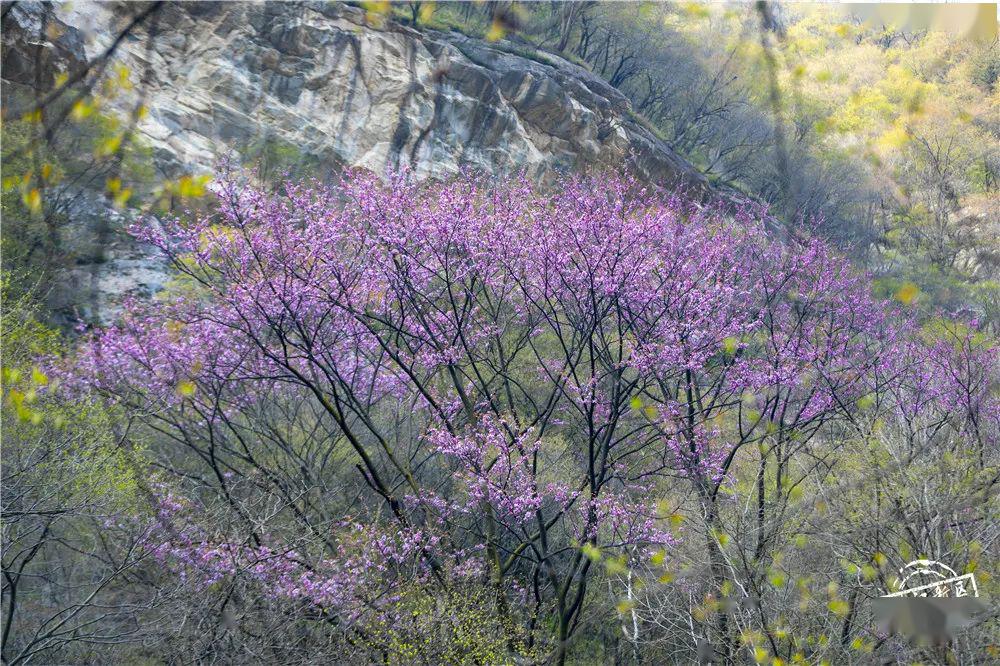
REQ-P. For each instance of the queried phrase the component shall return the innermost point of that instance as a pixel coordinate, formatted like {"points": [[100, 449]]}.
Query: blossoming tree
{"points": [[396, 392]]}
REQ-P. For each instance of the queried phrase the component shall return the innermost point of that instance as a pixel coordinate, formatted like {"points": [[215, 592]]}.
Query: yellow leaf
{"points": [[696, 10], [109, 146], [496, 31], [23, 413], [114, 185], [730, 344], [651, 412], [666, 577], [866, 401], [635, 403], [33, 200], [615, 565], [839, 607], [16, 397], [894, 138], [592, 552], [658, 558], [376, 10], [39, 377], [624, 606], [377, 6], [192, 186], [121, 199], [425, 12], [81, 110], [46, 171], [760, 655], [907, 293], [186, 388], [123, 77]]}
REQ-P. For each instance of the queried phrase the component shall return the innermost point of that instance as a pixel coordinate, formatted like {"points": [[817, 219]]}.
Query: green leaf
{"points": [[839, 607]]}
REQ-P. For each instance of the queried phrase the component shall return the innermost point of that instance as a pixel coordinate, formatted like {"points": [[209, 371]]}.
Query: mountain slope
{"points": [[221, 77], [317, 84]]}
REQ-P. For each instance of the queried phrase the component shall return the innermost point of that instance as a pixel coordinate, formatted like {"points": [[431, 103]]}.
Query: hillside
{"points": [[499, 333], [319, 87]]}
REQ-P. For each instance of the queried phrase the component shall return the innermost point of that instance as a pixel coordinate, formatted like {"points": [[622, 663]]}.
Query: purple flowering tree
{"points": [[394, 391]]}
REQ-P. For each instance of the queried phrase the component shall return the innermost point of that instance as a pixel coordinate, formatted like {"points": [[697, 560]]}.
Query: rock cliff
{"points": [[218, 78]]}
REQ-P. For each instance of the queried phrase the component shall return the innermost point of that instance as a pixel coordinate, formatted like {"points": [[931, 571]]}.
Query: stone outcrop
{"points": [[322, 78], [319, 79]]}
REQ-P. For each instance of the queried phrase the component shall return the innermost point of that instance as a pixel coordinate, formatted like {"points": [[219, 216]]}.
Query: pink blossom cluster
{"points": [[363, 575], [498, 470]]}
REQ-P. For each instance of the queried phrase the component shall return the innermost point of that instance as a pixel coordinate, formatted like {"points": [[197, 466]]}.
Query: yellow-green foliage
{"points": [[69, 447], [24, 237], [90, 146], [461, 626]]}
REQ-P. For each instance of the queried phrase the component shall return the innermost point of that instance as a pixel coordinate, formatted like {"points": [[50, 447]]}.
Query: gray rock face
{"points": [[112, 265], [315, 76]]}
